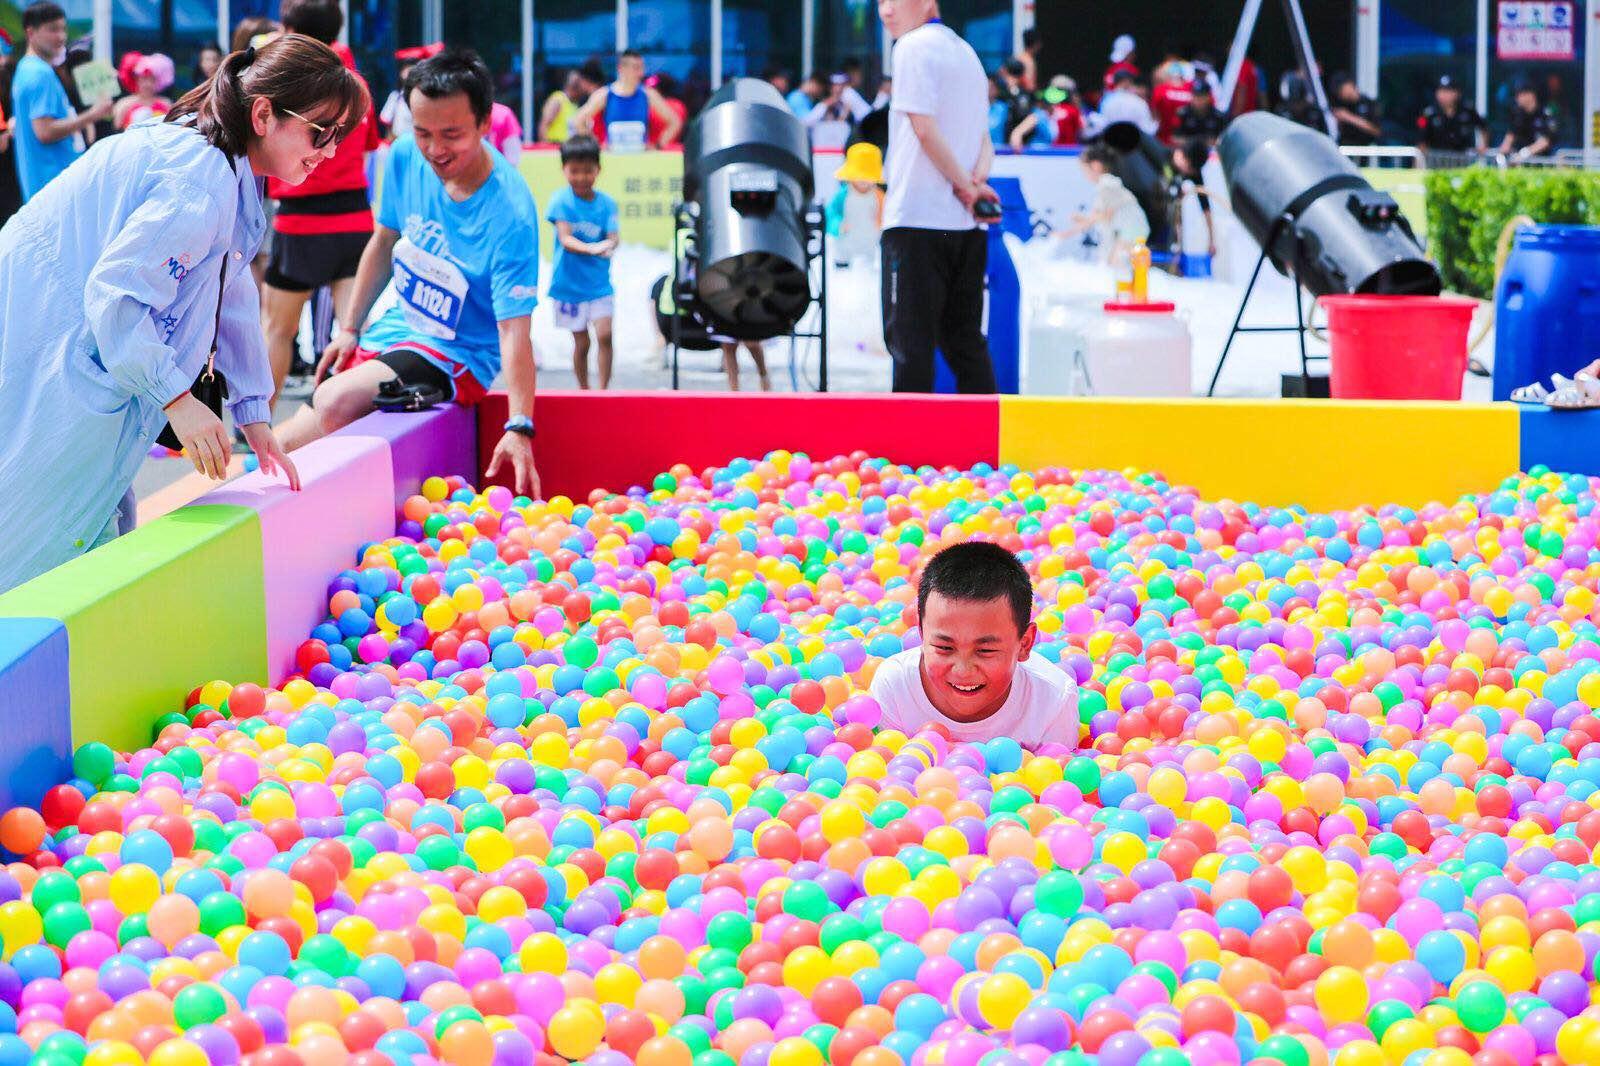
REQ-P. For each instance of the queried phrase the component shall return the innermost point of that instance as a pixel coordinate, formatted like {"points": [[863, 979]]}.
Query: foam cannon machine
{"points": [[1318, 221], [747, 231]]}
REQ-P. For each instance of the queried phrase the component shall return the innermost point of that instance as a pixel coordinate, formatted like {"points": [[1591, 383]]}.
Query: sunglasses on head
{"points": [[321, 136]]}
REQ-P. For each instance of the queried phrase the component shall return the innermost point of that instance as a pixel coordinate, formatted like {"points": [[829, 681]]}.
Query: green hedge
{"points": [[1468, 208]]}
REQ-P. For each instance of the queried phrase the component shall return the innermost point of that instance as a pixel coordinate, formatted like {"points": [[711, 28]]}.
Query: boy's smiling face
{"points": [[970, 650]]}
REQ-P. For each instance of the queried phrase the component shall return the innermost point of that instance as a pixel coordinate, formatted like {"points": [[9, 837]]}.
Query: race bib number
{"points": [[625, 136], [432, 290]]}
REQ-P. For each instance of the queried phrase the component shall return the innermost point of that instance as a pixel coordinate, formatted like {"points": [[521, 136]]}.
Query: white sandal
{"points": [[1535, 393], [1578, 394]]}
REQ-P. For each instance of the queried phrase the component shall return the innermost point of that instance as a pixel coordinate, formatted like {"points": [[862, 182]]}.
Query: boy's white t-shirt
{"points": [[1127, 217], [1042, 706]]}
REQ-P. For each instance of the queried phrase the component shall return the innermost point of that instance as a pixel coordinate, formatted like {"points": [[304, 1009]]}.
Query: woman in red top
{"points": [[323, 224]]}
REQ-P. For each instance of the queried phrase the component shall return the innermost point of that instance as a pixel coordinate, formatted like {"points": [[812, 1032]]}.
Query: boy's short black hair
{"points": [[455, 70], [41, 14], [630, 53], [1099, 153], [1030, 37], [318, 19], [580, 148], [977, 571]]}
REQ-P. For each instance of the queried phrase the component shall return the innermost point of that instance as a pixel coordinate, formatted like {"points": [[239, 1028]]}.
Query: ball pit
{"points": [[600, 782]]}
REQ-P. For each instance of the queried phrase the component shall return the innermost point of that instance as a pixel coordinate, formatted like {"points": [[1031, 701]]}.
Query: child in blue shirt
{"points": [[586, 236]]}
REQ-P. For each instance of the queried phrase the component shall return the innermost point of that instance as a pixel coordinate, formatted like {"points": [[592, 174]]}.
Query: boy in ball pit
{"points": [[976, 673]]}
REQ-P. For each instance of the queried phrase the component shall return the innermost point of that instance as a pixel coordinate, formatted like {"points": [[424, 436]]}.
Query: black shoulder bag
{"points": [[210, 388]]}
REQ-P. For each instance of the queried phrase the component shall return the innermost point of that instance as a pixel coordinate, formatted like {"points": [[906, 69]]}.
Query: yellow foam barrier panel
{"points": [[1324, 454]]}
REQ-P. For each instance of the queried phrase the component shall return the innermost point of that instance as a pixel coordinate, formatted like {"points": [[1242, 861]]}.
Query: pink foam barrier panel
{"points": [[442, 441], [35, 710], [345, 502]]}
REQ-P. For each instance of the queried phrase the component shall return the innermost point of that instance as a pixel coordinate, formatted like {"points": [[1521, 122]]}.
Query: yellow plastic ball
{"points": [[795, 1051], [543, 953], [1002, 997], [500, 902], [134, 888], [1124, 851], [177, 1052], [1167, 787], [489, 848], [805, 968], [842, 821], [575, 1033], [1341, 993], [617, 983], [113, 1053], [1361, 1053]]}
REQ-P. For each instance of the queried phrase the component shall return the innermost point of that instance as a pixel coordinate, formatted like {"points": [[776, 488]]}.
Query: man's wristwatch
{"points": [[521, 425]]}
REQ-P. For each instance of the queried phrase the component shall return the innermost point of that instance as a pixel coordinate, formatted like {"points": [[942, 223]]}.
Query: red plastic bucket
{"points": [[1398, 347]]}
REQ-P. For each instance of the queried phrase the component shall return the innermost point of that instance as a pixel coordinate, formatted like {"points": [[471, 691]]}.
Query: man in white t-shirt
{"points": [[976, 673], [937, 170]]}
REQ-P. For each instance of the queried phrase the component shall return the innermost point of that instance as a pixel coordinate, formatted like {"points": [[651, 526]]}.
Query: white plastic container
{"points": [[1055, 344], [1137, 350]]}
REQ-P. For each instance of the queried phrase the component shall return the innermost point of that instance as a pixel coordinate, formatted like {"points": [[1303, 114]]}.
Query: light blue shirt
{"points": [[577, 278], [36, 92], [799, 103], [109, 289], [460, 269]]}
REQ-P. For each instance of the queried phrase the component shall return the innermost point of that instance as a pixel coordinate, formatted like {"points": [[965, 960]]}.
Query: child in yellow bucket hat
{"points": [[855, 214]]}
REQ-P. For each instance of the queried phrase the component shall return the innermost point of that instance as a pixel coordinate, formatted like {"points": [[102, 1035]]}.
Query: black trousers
{"points": [[933, 298]]}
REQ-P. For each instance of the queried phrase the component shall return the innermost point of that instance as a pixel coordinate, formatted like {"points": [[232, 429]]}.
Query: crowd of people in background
{"points": [[1176, 101], [318, 229]]}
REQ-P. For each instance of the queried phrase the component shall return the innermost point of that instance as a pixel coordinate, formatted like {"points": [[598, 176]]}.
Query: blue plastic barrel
{"points": [[1547, 307]]}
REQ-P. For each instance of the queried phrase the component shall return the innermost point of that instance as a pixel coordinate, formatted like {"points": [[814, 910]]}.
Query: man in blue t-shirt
{"points": [[459, 233], [44, 124], [586, 234]]}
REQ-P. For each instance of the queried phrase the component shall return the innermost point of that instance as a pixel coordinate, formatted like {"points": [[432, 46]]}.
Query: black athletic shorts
{"points": [[412, 368], [302, 262]]}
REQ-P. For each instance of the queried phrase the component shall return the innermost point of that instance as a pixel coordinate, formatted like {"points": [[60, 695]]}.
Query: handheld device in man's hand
{"points": [[986, 210]]}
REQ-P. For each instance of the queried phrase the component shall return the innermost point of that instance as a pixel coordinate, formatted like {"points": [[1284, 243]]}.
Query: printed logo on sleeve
{"points": [[177, 266]]}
